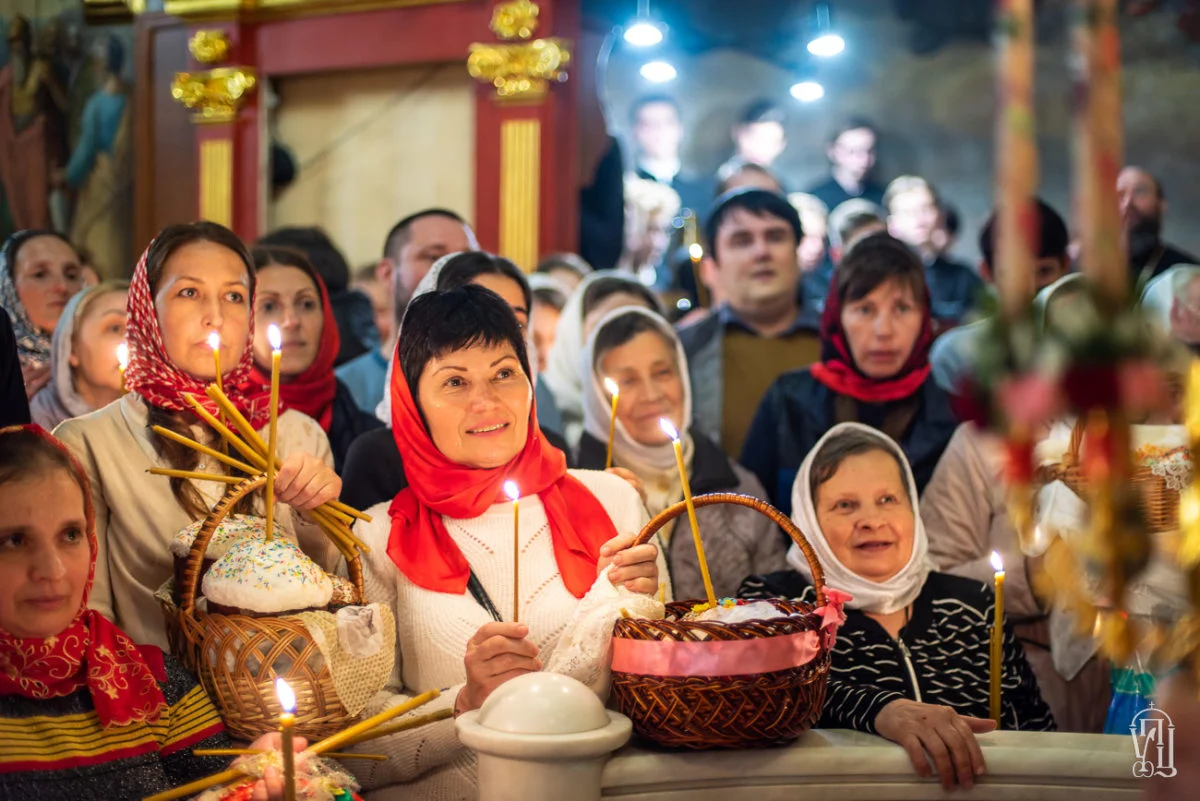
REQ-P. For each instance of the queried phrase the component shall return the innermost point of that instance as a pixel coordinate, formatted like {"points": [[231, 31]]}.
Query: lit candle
{"points": [[613, 390], [276, 339], [997, 640], [214, 342], [514, 492], [695, 251], [670, 431], [123, 361], [287, 722]]}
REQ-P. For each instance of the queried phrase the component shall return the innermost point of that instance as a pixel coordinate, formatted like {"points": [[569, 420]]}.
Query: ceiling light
{"points": [[808, 91], [643, 33], [658, 72], [825, 42]]}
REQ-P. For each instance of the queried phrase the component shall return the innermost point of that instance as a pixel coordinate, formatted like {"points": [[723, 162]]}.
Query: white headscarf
{"points": [[870, 596], [427, 284], [649, 462], [1161, 293]]}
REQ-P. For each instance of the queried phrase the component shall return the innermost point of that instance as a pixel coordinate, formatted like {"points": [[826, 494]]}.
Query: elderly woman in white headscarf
{"points": [[912, 659], [639, 352], [1172, 302], [84, 373]]}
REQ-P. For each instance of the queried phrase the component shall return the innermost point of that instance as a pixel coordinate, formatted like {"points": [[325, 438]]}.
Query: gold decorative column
{"points": [[520, 174], [216, 181]]}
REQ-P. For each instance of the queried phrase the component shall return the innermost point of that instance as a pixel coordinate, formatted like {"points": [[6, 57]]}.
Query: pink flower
{"points": [[831, 613]]}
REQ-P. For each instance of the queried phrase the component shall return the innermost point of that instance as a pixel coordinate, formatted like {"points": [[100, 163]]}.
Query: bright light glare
{"points": [[695, 251], [997, 562], [658, 72], [287, 698], [611, 386], [511, 490], [643, 34], [274, 336], [214, 340], [668, 428], [827, 45], [808, 91], [123, 355]]}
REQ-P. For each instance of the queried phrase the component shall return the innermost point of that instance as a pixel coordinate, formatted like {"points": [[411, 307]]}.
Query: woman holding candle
{"points": [[912, 661], [290, 294], [876, 331], [85, 713], [442, 552], [639, 352], [39, 272], [193, 279], [84, 372]]}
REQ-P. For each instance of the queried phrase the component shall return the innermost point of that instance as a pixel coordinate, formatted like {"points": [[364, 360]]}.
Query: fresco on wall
{"points": [[66, 129]]}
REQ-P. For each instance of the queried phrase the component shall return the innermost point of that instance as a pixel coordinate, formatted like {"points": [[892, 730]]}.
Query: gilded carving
{"points": [[104, 11], [275, 9], [520, 71], [209, 47], [516, 19], [214, 95]]}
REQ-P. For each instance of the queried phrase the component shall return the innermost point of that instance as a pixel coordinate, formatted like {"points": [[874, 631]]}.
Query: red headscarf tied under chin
{"points": [[312, 391], [153, 375], [837, 369], [419, 543], [121, 678]]}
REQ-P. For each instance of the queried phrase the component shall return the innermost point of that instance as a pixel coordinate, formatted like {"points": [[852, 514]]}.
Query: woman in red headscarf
{"points": [[876, 331], [443, 554], [290, 294], [85, 713], [193, 281]]}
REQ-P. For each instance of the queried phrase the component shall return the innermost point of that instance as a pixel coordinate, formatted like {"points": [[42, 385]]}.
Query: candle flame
{"points": [[997, 562], [214, 340], [612, 387], [275, 337], [695, 251], [512, 490], [668, 429], [123, 355], [287, 698]]}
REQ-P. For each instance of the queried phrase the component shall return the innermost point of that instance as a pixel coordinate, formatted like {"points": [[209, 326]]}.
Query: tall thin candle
{"points": [[997, 641], [123, 361], [615, 391], [287, 724], [276, 338], [670, 430], [514, 493]]}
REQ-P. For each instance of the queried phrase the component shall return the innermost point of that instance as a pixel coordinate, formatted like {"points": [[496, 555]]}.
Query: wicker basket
{"points": [[238, 657], [743, 711], [1159, 504]]}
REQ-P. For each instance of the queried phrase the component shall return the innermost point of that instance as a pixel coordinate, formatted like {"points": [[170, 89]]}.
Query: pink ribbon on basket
{"points": [[714, 657], [832, 614]]}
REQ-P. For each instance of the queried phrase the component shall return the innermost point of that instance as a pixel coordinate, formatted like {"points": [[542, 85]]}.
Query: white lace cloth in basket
{"points": [[1175, 467]]}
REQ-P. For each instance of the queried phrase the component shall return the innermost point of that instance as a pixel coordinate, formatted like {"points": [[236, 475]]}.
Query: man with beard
{"points": [[1142, 207], [758, 332]]}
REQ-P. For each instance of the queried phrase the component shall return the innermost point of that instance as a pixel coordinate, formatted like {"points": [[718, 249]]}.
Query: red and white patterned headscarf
{"points": [[153, 375]]}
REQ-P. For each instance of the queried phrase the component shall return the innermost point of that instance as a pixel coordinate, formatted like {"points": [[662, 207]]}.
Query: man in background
{"points": [[759, 138], [851, 153], [1143, 206], [658, 139]]}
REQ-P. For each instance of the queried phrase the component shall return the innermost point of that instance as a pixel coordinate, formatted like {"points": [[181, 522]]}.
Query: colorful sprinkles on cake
{"points": [[267, 576]]}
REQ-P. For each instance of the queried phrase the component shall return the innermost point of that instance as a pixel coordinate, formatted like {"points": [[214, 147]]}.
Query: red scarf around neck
{"points": [[153, 375], [312, 391], [121, 678], [420, 545], [838, 371]]}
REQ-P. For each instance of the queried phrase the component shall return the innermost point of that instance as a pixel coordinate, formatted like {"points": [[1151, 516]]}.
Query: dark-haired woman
{"points": [[596, 296], [442, 551], [290, 294], [374, 469], [39, 272], [639, 351], [193, 280], [911, 662], [876, 331]]}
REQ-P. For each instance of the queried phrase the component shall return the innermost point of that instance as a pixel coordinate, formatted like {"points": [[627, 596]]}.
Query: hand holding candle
{"points": [[670, 430], [997, 641], [123, 361], [276, 339], [615, 392], [287, 722], [514, 493]]}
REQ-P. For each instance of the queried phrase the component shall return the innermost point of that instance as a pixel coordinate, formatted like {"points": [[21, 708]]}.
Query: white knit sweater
{"points": [[433, 629]]}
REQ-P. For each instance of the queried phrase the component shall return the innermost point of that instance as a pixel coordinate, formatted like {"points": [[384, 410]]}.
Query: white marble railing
{"points": [[543, 737]]}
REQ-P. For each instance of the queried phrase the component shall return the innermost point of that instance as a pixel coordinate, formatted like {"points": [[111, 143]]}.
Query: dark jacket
{"points": [[356, 324], [602, 212], [954, 290], [797, 411], [374, 471], [1158, 260], [14, 405], [941, 656], [694, 192], [831, 193], [738, 541], [347, 424]]}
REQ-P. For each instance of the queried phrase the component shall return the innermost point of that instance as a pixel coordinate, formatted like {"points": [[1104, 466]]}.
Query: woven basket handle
{"points": [[1074, 450], [760, 506], [191, 573]]}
